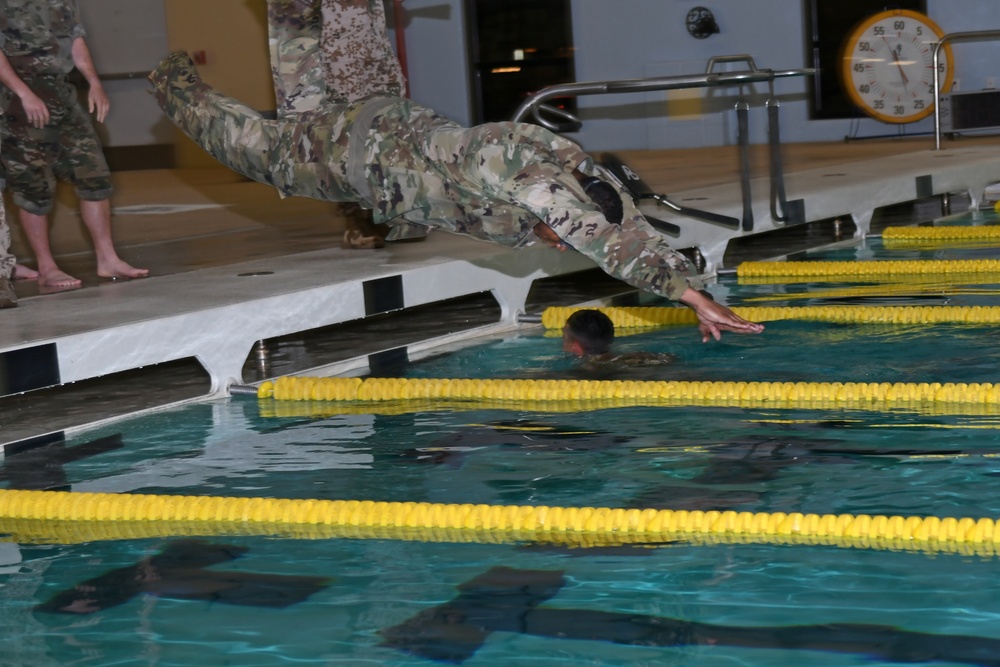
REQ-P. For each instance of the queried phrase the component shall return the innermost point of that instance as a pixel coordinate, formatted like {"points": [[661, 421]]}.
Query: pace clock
{"points": [[888, 65]]}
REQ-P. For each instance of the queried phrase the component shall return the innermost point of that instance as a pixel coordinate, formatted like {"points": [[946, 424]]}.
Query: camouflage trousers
{"points": [[6, 259], [333, 51], [325, 51], [67, 148]]}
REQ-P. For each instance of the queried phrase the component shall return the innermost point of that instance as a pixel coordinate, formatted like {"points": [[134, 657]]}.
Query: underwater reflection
{"points": [[178, 572], [508, 600]]}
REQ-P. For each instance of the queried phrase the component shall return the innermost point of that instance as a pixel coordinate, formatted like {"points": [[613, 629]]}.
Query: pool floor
{"points": [[67, 596]]}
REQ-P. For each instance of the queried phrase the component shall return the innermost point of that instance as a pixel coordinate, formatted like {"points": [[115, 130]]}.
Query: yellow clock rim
{"points": [[845, 65]]}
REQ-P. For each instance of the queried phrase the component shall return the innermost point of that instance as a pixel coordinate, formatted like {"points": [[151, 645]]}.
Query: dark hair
{"points": [[606, 198], [592, 329]]}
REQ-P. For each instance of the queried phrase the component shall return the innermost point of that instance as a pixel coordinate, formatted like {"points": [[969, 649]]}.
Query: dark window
{"points": [[517, 47]]}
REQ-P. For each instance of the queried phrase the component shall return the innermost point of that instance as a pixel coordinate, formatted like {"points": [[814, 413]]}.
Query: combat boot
{"points": [[7, 297]]}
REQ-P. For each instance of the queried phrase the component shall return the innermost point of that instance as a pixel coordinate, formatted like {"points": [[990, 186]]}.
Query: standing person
{"points": [[510, 183], [49, 136], [352, 35], [344, 42]]}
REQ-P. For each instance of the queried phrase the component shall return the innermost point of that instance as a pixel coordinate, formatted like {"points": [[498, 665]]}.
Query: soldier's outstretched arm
{"points": [[231, 132]]}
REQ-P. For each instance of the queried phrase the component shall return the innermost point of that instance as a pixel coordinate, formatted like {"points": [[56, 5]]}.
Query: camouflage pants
{"points": [[66, 149], [326, 51], [6, 259], [333, 51]]}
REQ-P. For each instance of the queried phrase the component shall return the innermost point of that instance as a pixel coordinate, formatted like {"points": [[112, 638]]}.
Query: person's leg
{"points": [[26, 154], [358, 59], [36, 230], [293, 36], [8, 299], [97, 217], [358, 62], [81, 162]]}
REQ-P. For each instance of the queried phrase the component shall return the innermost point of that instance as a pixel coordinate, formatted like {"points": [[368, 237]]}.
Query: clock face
{"points": [[888, 66]]}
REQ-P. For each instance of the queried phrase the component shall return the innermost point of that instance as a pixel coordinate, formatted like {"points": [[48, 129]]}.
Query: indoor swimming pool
{"points": [[91, 593]]}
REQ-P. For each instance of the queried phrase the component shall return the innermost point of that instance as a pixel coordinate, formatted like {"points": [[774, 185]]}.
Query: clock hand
{"points": [[895, 59]]}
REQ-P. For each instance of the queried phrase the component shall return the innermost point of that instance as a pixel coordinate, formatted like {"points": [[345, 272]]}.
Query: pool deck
{"points": [[232, 264]]}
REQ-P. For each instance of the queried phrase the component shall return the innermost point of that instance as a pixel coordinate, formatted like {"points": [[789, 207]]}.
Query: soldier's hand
{"points": [[99, 103], [714, 318], [35, 109], [549, 237]]}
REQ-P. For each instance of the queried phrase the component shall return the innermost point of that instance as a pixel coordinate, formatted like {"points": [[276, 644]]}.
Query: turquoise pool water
{"points": [[272, 601]]}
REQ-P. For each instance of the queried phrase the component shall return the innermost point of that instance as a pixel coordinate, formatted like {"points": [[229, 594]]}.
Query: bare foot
{"points": [[22, 272], [57, 278], [118, 269]]}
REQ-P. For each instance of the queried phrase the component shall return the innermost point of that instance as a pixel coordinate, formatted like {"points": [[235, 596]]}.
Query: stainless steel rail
{"points": [[739, 78], [972, 36], [709, 79]]}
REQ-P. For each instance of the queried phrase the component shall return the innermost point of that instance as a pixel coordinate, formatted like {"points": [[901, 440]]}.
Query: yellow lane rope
{"points": [[866, 269], [810, 395], [918, 279], [941, 244], [272, 409], [47, 516], [942, 233], [883, 290], [651, 316]]}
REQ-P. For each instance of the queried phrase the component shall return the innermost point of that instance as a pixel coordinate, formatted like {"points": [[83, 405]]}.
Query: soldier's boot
{"points": [[362, 233], [7, 297]]}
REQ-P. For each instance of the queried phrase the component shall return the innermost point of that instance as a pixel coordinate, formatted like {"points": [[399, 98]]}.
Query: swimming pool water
{"points": [[246, 600]]}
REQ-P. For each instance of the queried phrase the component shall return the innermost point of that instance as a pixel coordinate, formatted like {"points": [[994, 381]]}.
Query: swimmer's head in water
{"points": [[588, 332]]}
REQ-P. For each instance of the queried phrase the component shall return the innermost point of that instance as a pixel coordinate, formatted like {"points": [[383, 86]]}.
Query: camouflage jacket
{"points": [[37, 35], [410, 165]]}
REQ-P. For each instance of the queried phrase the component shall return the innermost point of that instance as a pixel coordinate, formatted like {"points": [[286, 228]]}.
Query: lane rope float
{"points": [[865, 395], [916, 279], [272, 409], [942, 233], [866, 269], [67, 516], [651, 316]]}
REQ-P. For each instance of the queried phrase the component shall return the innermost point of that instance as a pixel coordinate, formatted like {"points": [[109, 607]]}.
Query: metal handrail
{"points": [[735, 78], [709, 79], [951, 37]]}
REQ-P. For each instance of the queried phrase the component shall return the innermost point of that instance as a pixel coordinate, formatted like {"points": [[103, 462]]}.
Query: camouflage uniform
{"points": [[413, 167], [6, 259], [37, 37], [351, 59], [358, 61]]}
